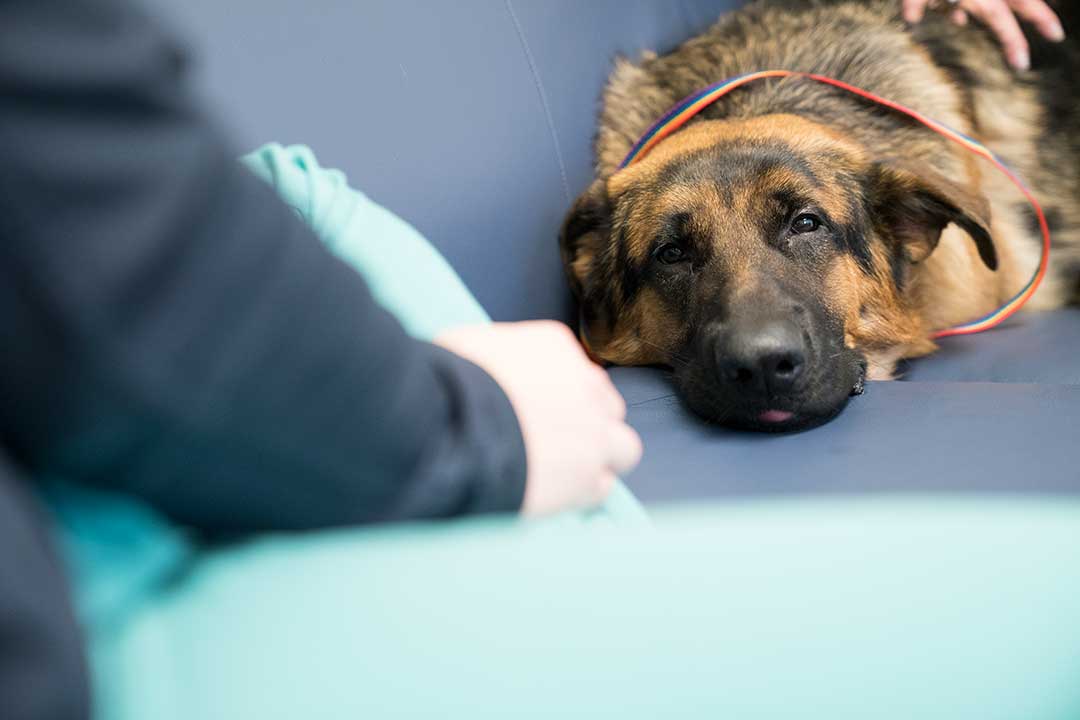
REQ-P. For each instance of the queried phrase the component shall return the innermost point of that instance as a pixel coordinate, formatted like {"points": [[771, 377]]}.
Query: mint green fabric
{"points": [[120, 553], [892, 609]]}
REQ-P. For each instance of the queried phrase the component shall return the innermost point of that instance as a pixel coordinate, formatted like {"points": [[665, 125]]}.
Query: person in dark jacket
{"points": [[171, 330]]}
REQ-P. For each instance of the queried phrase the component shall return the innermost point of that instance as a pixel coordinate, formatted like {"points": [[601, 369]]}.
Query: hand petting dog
{"points": [[1001, 17]]}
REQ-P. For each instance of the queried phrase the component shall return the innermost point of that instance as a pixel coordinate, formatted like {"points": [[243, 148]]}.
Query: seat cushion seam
{"points": [[549, 118]]}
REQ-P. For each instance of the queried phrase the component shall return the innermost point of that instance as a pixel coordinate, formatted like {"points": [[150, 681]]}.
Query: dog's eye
{"points": [[805, 223], [669, 254]]}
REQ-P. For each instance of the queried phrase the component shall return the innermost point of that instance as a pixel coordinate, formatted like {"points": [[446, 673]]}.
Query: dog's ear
{"points": [[584, 236], [915, 203], [584, 245]]}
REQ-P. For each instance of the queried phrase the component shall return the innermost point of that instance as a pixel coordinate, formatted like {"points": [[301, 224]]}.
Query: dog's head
{"points": [[763, 260]]}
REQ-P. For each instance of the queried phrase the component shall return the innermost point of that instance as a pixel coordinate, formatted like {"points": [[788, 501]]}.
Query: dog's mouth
{"points": [[788, 417], [775, 417], [818, 402]]}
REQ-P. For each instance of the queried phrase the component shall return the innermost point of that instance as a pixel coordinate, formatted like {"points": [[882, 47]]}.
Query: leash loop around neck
{"points": [[690, 106]]}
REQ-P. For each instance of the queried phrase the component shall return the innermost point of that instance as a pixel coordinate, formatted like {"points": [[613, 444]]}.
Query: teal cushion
{"points": [[931, 608]]}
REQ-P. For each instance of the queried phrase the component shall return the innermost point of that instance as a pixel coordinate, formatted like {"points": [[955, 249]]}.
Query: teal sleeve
{"points": [[406, 274]]}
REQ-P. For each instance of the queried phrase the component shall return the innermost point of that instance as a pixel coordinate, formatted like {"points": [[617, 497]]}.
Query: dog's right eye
{"points": [[805, 223], [669, 254]]}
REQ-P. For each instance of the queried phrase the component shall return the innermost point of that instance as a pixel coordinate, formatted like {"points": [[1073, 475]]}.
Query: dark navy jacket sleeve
{"points": [[169, 328]]}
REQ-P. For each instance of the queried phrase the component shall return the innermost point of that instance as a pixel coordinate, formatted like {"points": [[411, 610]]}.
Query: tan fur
{"points": [[949, 286]]}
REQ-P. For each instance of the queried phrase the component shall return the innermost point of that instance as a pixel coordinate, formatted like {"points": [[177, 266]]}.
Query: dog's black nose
{"points": [[768, 359]]}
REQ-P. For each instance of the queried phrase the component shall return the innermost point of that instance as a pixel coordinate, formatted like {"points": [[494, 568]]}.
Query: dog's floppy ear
{"points": [[584, 236], [584, 245], [915, 203]]}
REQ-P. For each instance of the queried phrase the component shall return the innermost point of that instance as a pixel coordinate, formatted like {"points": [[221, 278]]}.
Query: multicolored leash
{"points": [[678, 116]]}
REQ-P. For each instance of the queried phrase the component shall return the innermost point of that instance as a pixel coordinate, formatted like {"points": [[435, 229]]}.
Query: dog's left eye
{"points": [[805, 223], [669, 253]]}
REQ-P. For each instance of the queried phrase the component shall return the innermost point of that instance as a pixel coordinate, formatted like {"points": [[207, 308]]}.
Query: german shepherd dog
{"points": [[794, 239]]}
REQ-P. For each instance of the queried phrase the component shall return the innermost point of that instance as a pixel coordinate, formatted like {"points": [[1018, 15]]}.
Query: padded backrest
{"points": [[473, 119]]}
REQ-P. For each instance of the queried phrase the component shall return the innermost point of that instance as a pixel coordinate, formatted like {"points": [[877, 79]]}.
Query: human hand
{"points": [[1001, 17], [572, 418]]}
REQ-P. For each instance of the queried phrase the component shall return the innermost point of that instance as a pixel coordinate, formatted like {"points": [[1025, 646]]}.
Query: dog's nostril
{"points": [[762, 360], [782, 371]]}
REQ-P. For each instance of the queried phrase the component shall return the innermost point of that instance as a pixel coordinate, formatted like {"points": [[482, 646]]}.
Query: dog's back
{"points": [[1030, 119]]}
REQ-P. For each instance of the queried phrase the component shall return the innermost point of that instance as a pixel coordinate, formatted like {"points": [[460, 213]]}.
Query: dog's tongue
{"points": [[775, 416]]}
